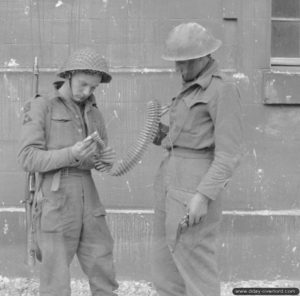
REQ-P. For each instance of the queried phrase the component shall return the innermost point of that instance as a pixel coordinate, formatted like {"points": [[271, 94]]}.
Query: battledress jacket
{"points": [[50, 127], [207, 115]]}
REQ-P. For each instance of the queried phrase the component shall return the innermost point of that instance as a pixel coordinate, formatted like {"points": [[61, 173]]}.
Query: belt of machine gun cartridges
{"points": [[146, 137]]}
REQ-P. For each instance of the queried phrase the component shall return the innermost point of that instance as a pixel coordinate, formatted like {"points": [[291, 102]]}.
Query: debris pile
{"points": [[29, 287]]}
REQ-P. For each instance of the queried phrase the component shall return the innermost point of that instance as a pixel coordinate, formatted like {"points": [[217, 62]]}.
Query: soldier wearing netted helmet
{"points": [[203, 141], [69, 215]]}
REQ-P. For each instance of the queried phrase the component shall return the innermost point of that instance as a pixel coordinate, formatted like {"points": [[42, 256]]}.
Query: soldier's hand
{"points": [[107, 155], [161, 134], [105, 159], [197, 208], [84, 149], [102, 167]]}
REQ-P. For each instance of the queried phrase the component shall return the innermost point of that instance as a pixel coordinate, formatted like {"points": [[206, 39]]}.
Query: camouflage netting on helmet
{"points": [[88, 61]]}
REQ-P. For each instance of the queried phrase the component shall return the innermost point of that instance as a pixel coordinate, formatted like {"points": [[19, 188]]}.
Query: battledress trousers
{"points": [[202, 149], [72, 217]]}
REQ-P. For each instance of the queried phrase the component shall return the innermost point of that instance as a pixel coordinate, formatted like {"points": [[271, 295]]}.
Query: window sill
{"points": [[285, 62]]}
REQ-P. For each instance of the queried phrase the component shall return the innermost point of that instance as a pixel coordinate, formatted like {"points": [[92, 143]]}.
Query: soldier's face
{"points": [[190, 69], [83, 85]]}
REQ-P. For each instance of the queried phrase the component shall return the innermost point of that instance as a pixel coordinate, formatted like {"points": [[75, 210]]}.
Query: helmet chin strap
{"points": [[202, 70], [70, 75], [70, 83], [205, 67]]}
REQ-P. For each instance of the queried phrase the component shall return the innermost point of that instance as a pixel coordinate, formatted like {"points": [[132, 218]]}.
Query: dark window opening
{"points": [[285, 45]]}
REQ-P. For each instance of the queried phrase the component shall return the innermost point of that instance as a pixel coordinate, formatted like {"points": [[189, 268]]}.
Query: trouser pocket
{"points": [[53, 213], [177, 200], [96, 252], [99, 228], [176, 208]]}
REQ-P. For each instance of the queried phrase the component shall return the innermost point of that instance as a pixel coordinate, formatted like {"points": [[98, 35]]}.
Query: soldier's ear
{"points": [[69, 75], [58, 84]]}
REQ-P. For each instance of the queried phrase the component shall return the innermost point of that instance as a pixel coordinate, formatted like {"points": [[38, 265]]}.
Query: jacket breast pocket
{"points": [[198, 117], [61, 119], [62, 131]]}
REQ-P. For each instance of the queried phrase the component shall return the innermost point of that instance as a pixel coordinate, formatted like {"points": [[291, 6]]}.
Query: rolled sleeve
{"points": [[33, 155], [226, 113]]}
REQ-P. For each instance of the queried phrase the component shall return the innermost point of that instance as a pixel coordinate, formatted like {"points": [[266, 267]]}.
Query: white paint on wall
{"points": [[241, 76], [59, 3], [11, 63], [270, 213]]}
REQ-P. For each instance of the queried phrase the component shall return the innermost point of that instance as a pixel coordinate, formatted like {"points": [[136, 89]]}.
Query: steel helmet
{"points": [[189, 41], [86, 59]]}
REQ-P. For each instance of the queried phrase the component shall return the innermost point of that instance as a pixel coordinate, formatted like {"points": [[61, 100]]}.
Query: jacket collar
{"points": [[203, 81], [205, 78]]}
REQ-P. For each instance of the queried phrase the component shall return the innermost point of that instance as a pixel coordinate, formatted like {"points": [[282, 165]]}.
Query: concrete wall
{"points": [[259, 238]]}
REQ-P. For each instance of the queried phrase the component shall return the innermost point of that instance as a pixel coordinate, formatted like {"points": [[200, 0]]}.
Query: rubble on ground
{"points": [[29, 287]]}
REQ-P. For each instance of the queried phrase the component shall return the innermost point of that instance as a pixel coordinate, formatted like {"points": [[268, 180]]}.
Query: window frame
{"points": [[284, 61]]}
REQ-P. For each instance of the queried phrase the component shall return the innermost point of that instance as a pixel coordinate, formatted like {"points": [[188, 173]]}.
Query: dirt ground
{"points": [[29, 287]]}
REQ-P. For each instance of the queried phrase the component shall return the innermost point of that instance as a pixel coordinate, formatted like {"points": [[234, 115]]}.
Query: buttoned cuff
{"points": [[73, 162]]}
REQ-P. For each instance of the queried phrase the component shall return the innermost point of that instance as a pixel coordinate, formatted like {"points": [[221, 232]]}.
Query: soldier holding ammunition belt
{"points": [[53, 143], [204, 146]]}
